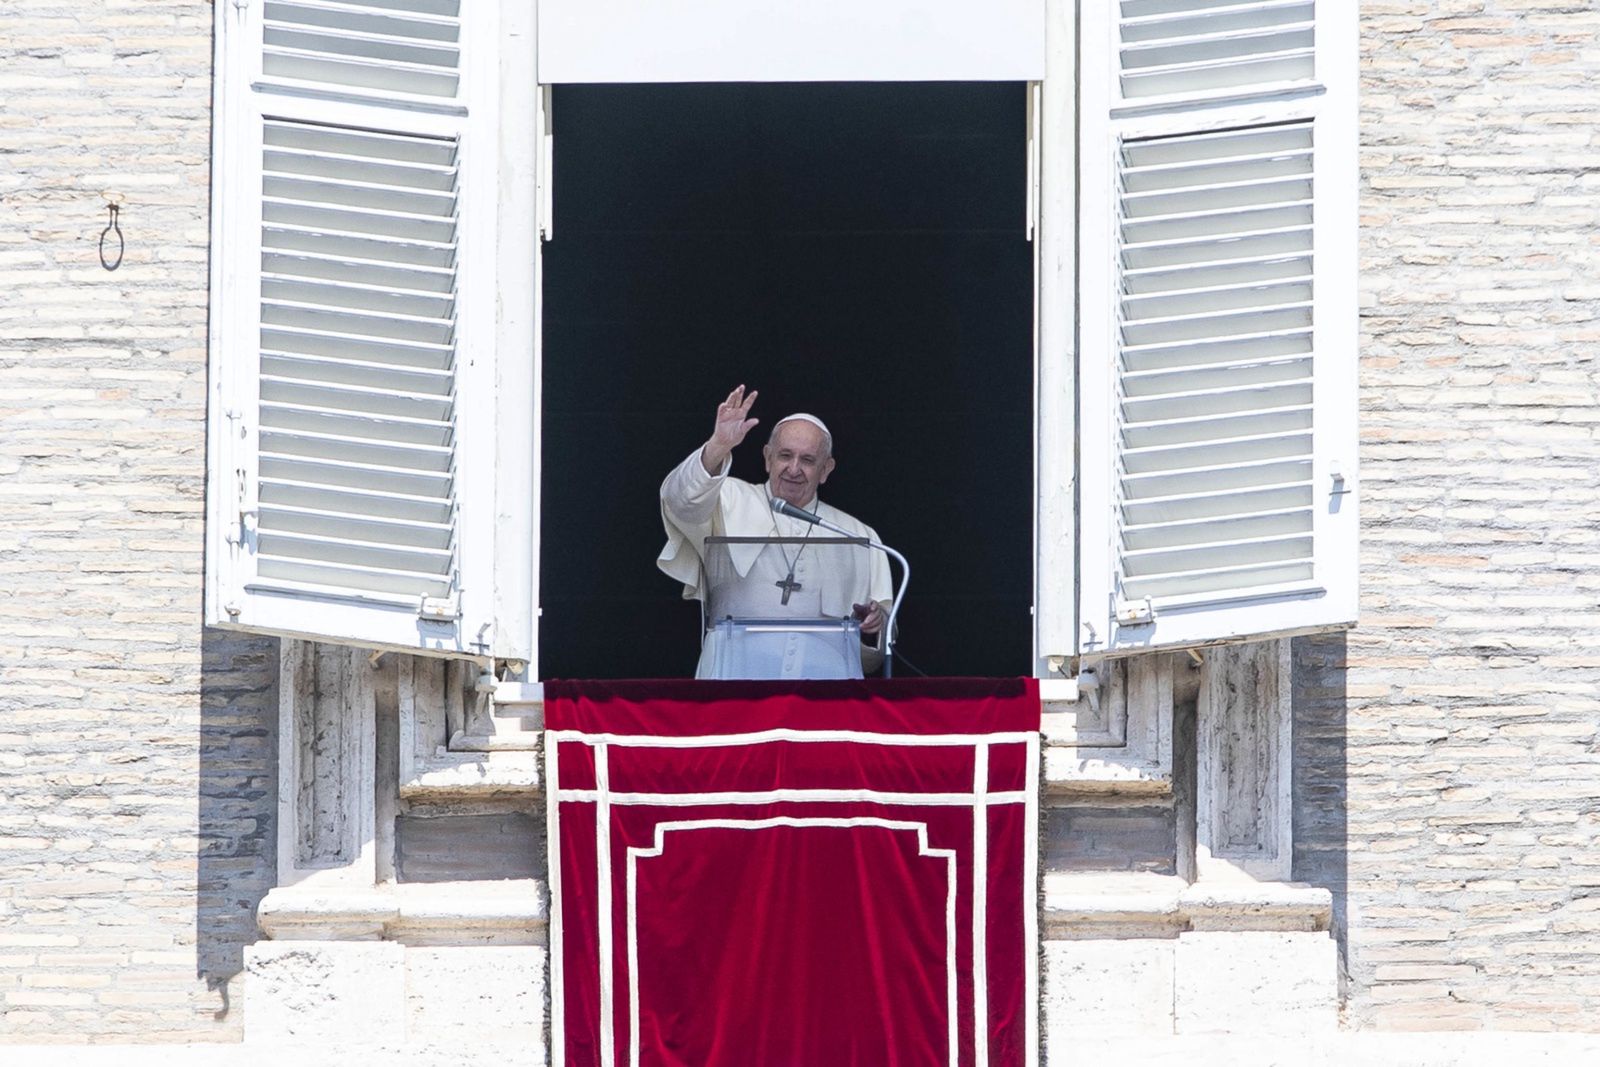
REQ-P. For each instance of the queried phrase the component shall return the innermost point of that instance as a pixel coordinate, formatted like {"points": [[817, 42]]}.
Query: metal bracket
{"points": [[1089, 686], [486, 681], [440, 608], [1341, 485], [1135, 612], [239, 529]]}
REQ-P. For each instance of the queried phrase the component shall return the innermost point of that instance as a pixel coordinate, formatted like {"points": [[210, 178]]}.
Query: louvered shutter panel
{"points": [[1218, 322], [345, 469]]}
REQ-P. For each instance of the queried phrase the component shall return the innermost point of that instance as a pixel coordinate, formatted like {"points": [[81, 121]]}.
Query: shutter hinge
{"points": [[1341, 486], [239, 529], [440, 608], [1135, 612]]}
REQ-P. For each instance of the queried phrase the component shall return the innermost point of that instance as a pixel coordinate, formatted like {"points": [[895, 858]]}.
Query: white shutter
{"points": [[354, 329], [1218, 321]]}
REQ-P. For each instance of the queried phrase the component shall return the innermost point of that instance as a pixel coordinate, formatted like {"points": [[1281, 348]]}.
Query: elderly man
{"points": [[773, 581]]}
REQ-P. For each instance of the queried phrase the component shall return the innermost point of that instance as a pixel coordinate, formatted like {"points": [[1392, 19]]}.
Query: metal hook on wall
{"points": [[114, 206]]}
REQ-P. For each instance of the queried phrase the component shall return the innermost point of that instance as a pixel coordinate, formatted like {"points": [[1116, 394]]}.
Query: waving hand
{"points": [[733, 423]]}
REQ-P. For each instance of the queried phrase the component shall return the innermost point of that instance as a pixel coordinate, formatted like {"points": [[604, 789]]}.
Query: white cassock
{"points": [[832, 578]]}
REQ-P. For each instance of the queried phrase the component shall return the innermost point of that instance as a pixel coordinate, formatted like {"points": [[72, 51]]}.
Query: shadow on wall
{"points": [[238, 794], [1321, 778]]}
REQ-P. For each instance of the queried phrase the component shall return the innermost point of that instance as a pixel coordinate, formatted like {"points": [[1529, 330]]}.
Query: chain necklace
{"points": [[787, 582]]}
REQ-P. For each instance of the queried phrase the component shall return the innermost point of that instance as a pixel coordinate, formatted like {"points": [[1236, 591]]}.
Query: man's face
{"points": [[796, 463]]}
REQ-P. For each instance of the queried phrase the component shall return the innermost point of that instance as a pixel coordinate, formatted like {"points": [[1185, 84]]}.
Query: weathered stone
{"points": [[1261, 982]]}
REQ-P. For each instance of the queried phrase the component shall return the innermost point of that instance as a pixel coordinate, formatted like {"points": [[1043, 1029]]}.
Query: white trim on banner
{"points": [[602, 858], [1030, 906], [980, 904], [787, 734], [795, 796], [552, 827], [923, 849]]}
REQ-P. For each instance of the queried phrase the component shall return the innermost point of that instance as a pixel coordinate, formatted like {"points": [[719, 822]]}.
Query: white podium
{"points": [[781, 648], [750, 634]]}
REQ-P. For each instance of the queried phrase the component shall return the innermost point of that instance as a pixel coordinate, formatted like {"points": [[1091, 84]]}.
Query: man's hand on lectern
{"points": [[872, 615], [733, 423]]}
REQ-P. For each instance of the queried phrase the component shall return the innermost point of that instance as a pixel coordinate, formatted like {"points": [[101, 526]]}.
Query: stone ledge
{"points": [[1361, 1048], [475, 774], [510, 912], [1256, 906], [1072, 771], [1135, 905]]}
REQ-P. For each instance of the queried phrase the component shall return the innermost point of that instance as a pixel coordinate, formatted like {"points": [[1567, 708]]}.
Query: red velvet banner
{"points": [[812, 874]]}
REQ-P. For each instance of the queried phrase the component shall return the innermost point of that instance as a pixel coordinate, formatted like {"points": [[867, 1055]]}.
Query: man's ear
{"points": [[827, 469]]}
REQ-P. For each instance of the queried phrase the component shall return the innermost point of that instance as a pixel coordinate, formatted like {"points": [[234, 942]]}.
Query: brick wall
{"points": [[1451, 741], [136, 770]]}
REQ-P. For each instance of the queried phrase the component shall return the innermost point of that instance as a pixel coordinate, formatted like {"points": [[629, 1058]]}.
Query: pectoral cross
{"points": [[788, 585]]}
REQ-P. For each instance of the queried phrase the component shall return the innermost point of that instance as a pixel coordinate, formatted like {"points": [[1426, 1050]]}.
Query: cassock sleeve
{"points": [[689, 499]]}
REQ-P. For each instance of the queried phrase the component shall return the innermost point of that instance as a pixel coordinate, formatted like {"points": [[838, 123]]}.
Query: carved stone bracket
{"points": [[326, 765], [1243, 817], [455, 740], [1117, 737]]}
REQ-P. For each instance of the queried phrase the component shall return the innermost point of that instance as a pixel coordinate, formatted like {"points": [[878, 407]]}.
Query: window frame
{"points": [[507, 217]]}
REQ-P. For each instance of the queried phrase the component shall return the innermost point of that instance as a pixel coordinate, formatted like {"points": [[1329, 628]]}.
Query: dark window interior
{"points": [[853, 250]]}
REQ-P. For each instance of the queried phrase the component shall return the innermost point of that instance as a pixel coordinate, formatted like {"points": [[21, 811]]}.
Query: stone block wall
{"points": [[136, 749], [1448, 759]]}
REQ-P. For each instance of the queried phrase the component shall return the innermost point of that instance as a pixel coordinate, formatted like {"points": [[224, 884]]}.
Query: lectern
{"points": [[751, 632]]}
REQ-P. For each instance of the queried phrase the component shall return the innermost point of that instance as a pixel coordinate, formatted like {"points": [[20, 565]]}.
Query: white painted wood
{"points": [[354, 345], [1096, 298], [1218, 320], [1056, 542], [778, 40], [521, 174]]}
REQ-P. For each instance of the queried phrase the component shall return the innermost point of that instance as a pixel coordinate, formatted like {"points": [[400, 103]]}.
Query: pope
{"points": [[801, 580]]}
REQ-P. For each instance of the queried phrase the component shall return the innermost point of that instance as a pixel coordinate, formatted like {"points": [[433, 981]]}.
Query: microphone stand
{"points": [[783, 507]]}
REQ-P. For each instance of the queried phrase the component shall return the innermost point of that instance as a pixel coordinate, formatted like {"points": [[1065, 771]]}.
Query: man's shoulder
{"points": [[741, 487], [840, 517]]}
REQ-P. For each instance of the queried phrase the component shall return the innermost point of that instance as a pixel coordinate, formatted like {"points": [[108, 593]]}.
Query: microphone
{"points": [[783, 507]]}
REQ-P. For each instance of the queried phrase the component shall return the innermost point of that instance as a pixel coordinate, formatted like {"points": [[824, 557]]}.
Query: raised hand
{"points": [[733, 423]]}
